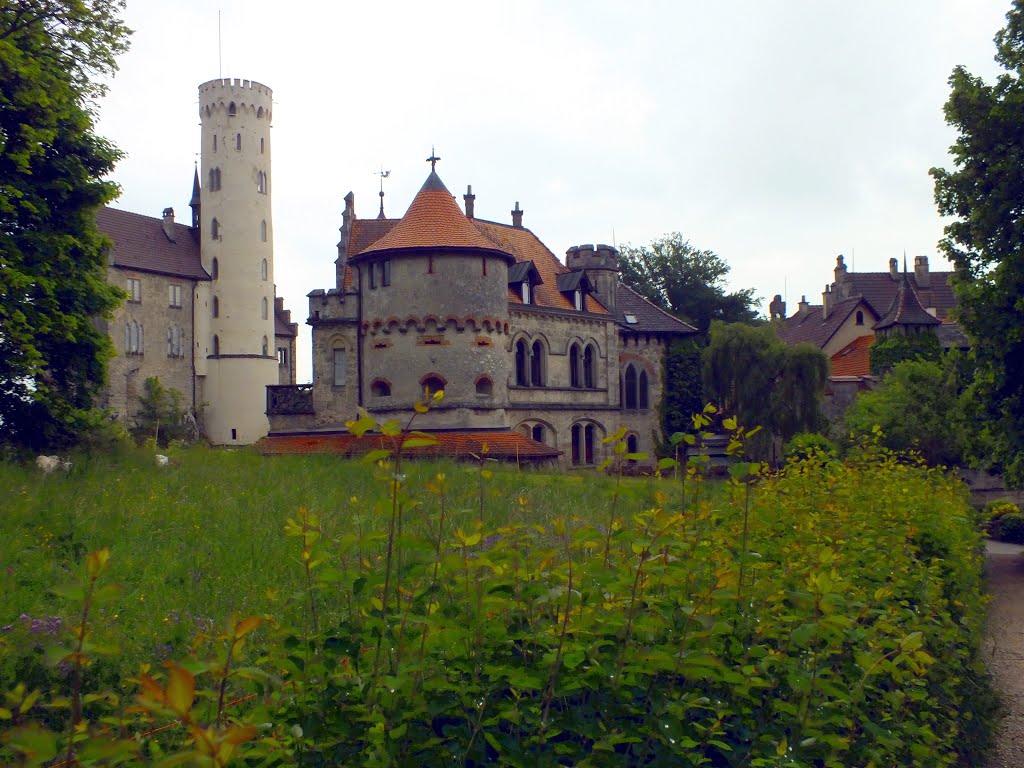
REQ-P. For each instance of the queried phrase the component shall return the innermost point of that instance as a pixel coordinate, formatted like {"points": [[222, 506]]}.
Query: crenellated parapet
{"points": [[436, 324], [236, 97], [592, 257], [332, 305]]}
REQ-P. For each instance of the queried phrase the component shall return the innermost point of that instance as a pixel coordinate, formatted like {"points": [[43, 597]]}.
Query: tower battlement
{"points": [[246, 95], [592, 257]]}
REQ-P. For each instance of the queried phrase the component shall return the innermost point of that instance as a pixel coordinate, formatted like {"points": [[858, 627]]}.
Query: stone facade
{"points": [[438, 299]]}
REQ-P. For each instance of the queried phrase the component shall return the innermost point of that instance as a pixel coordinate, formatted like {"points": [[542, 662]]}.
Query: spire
{"points": [[196, 201], [433, 158], [906, 308], [383, 175]]}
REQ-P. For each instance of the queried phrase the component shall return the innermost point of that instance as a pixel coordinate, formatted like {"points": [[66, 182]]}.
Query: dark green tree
{"points": [[764, 383], [898, 347], [687, 281], [984, 193], [684, 391], [160, 414], [52, 168], [917, 408]]}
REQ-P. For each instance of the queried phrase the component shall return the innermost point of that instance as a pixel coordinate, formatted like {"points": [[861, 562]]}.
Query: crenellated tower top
{"points": [[236, 97]]}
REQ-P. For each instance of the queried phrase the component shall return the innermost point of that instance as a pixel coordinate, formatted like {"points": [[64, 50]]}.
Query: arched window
{"points": [[588, 367], [642, 393], [264, 309], [537, 433], [213, 180], [232, 109], [263, 235], [216, 345], [340, 366], [264, 269], [574, 365], [630, 386], [207, 110], [261, 146], [860, 317], [216, 306], [215, 229], [259, 113], [214, 268], [577, 441], [261, 182], [380, 388], [265, 347], [484, 386], [588, 443], [214, 140], [632, 444], [522, 358], [537, 365], [432, 383], [238, 141]]}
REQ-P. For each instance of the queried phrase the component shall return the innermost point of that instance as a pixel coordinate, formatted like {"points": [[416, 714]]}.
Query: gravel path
{"points": [[1004, 647]]}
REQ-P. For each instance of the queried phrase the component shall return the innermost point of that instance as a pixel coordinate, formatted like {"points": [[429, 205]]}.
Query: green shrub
{"points": [[996, 509], [437, 625], [807, 444], [1008, 527]]}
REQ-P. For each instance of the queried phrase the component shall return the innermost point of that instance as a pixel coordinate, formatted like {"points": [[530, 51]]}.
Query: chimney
{"points": [[840, 270], [894, 268], [826, 302], [279, 303], [517, 217], [803, 307], [169, 224], [469, 197], [921, 274]]}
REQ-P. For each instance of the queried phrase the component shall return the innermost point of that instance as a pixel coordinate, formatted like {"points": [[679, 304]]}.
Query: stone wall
{"points": [[156, 318]]}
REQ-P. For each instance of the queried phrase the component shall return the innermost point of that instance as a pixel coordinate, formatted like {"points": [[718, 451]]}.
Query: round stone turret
{"points": [[601, 263], [235, 317]]}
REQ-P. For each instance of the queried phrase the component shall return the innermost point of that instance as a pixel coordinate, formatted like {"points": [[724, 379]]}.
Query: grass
{"points": [[202, 540]]}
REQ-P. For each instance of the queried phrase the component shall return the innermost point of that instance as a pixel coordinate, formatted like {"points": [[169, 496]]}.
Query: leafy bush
{"points": [[996, 509], [807, 444], [160, 417], [759, 629], [1008, 527], [898, 348]]}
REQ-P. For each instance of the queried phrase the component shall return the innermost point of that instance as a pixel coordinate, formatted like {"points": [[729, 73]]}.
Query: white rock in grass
{"points": [[48, 464], [161, 460]]}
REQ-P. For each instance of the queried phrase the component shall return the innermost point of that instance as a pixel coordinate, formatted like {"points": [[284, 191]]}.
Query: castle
{"points": [[536, 358]]}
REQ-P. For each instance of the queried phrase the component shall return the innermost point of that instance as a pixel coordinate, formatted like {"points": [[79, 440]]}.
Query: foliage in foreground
{"points": [[762, 630]]}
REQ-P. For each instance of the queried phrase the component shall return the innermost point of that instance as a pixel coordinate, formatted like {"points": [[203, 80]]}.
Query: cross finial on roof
{"points": [[433, 158]]}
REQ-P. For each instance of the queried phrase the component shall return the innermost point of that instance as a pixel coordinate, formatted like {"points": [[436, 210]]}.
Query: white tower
{"points": [[235, 311]]}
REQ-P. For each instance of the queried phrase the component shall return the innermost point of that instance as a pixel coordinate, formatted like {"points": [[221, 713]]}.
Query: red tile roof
{"points": [[434, 220], [504, 445], [140, 243], [854, 359]]}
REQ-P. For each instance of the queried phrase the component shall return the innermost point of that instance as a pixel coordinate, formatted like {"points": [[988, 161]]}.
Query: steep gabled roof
{"points": [[879, 289], [284, 328], [811, 327], [524, 270], [906, 309], [140, 243], [434, 220], [649, 317]]}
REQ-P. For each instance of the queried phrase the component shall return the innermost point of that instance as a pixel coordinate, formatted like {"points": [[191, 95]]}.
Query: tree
{"points": [[765, 383], [160, 414], [917, 408], [686, 281], [684, 393], [52, 263], [984, 193], [897, 347]]}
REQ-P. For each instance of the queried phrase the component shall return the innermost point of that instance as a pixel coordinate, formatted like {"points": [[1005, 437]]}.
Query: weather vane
{"points": [[383, 175]]}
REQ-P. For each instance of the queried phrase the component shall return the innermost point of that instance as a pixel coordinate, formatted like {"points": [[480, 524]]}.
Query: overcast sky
{"points": [[777, 133]]}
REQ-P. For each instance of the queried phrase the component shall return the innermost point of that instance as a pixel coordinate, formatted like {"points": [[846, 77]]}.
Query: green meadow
{"points": [[300, 610]]}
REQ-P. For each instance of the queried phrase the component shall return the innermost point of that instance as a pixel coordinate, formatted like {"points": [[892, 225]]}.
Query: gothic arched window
{"points": [[522, 360], [537, 365]]}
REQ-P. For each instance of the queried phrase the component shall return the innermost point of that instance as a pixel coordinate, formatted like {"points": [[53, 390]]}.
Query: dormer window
{"points": [[523, 277], [574, 286], [631, 319], [577, 300], [527, 292]]}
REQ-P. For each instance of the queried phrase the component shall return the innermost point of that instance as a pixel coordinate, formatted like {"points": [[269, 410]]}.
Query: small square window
{"points": [[631, 319]]}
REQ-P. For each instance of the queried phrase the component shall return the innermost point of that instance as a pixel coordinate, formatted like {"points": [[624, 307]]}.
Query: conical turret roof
{"points": [[906, 308], [195, 190], [434, 220]]}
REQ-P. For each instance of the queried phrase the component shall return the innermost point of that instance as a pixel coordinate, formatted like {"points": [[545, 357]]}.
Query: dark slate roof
{"points": [[140, 243], [569, 281], [906, 309], [950, 336], [879, 289], [650, 318], [814, 329], [282, 327], [522, 270]]}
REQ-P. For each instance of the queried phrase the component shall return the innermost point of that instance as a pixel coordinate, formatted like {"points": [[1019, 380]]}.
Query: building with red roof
{"points": [[538, 359]]}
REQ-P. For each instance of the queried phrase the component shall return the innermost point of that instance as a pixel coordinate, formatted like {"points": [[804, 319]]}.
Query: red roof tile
{"points": [[434, 220], [505, 445], [140, 243], [854, 359]]}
